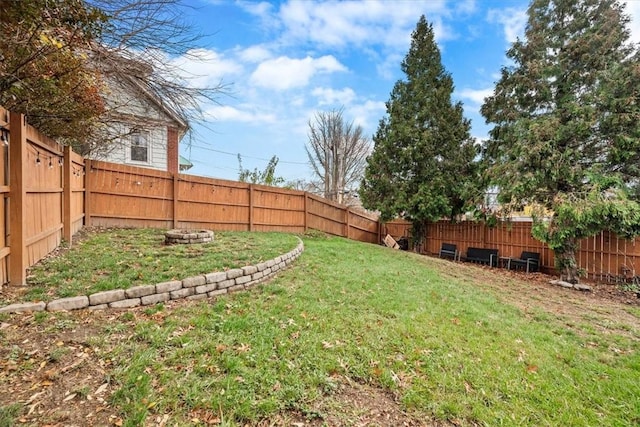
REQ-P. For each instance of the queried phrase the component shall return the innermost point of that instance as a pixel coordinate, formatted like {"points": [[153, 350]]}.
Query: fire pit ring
{"points": [[182, 236]]}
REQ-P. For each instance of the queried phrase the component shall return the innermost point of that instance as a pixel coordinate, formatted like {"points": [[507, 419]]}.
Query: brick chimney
{"points": [[172, 150]]}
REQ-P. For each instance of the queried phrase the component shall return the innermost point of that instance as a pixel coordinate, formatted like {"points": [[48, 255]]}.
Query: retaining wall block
{"points": [[262, 266], [125, 303], [98, 307], [71, 303], [206, 288], [182, 293], [191, 282], [24, 307], [172, 285], [215, 277], [236, 288], [258, 275], [236, 272], [226, 284], [140, 291], [107, 297], [249, 270], [242, 280], [217, 292], [155, 298]]}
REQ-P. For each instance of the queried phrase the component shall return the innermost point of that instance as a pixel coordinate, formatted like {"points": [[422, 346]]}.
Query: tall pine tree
{"points": [[422, 166], [566, 117]]}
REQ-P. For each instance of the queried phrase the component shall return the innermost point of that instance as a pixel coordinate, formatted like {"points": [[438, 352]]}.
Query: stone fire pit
{"points": [[179, 236]]}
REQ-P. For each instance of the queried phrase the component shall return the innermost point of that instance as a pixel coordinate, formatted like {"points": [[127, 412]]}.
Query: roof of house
{"points": [[184, 163]]}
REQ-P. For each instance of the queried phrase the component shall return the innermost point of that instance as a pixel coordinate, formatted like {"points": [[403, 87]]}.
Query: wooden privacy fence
{"points": [[43, 196], [125, 196], [49, 193], [603, 257]]}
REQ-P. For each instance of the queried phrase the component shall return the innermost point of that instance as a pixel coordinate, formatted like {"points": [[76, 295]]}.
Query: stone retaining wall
{"points": [[191, 288]]}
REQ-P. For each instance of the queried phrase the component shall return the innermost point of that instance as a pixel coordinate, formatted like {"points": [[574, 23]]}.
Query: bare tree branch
{"points": [[337, 153]]}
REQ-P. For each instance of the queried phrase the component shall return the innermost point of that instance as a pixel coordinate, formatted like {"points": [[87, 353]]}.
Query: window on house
{"points": [[139, 147]]}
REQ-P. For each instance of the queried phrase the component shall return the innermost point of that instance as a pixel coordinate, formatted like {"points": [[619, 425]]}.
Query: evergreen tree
{"points": [[566, 117], [422, 166]]}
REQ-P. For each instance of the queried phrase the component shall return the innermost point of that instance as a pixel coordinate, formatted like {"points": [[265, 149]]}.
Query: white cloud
{"points": [[512, 19], [254, 54], [231, 114], [367, 114], [205, 67], [633, 10], [261, 9], [286, 73], [476, 96], [348, 23], [466, 6], [329, 96]]}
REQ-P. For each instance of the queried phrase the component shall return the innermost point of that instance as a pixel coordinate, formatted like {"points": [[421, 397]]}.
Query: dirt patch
{"points": [[54, 373], [352, 404]]}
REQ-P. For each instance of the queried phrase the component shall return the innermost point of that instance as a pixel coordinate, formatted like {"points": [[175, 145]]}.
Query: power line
{"points": [[246, 157]]}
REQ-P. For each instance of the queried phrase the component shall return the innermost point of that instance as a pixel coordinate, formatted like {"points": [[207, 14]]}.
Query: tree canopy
{"points": [[264, 177], [566, 124], [44, 70], [422, 166], [57, 59]]}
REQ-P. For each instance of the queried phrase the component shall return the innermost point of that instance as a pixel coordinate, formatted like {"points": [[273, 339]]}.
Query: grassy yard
{"points": [[121, 258], [448, 344]]}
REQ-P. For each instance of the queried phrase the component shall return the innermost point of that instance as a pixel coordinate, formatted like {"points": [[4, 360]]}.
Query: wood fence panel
{"points": [[363, 227], [608, 257], [277, 209], [4, 196], [212, 203], [325, 216], [77, 183], [43, 205], [129, 196], [397, 228]]}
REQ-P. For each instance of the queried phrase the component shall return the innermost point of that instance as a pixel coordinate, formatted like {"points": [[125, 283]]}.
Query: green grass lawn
{"points": [[109, 259], [436, 335]]}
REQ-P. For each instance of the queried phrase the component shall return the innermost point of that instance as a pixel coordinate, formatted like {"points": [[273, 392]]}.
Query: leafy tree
{"points": [[422, 166], [58, 57], [337, 152], [44, 69], [265, 177], [566, 115]]}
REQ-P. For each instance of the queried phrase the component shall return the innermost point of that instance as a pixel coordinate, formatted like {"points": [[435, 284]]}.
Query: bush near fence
{"points": [[50, 193]]}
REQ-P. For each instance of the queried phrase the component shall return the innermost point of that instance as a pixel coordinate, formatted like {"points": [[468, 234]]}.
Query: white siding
{"points": [[135, 111]]}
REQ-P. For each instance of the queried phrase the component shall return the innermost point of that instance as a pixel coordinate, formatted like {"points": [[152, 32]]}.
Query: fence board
{"points": [[4, 195]]}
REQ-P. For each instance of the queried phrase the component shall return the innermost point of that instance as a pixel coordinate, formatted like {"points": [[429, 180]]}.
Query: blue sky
{"points": [[285, 61]]}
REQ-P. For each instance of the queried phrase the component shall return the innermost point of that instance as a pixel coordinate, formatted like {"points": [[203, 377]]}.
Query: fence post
{"points": [[17, 199], [67, 193], [250, 207], [346, 211], [88, 182], [306, 211], [176, 190]]}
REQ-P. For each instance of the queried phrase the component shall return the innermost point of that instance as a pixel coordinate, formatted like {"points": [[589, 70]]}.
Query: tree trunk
{"points": [[566, 260]]}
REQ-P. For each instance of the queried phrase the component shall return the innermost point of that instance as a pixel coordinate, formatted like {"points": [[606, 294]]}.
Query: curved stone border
{"points": [[191, 288], [179, 236]]}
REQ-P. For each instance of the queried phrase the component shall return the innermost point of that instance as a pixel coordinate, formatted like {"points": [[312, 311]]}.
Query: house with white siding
{"points": [[143, 130]]}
